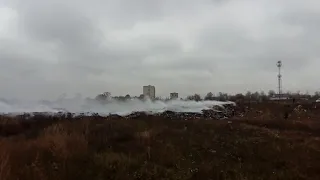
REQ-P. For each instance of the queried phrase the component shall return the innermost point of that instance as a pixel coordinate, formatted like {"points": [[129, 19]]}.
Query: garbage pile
{"points": [[299, 109], [216, 112]]}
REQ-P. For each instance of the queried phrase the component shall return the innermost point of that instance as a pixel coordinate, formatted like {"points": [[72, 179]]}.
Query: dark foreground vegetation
{"points": [[256, 144]]}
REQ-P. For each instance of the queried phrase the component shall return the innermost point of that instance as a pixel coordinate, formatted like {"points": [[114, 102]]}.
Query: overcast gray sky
{"points": [[52, 47]]}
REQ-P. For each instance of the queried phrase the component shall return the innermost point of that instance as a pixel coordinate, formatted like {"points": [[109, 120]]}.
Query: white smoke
{"points": [[80, 105]]}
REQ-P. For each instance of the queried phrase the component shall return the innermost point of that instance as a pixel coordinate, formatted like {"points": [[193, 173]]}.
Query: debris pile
{"points": [[216, 112], [299, 109], [136, 115]]}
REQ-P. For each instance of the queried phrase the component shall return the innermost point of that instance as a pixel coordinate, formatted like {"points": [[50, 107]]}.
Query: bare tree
{"points": [[237, 98], [141, 97], [256, 96], [271, 93], [248, 95], [103, 96], [195, 97], [127, 96], [209, 96], [263, 96], [316, 95], [223, 96]]}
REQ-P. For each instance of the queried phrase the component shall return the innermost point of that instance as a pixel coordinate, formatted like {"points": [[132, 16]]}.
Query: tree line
{"points": [[255, 96], [248, 96]]}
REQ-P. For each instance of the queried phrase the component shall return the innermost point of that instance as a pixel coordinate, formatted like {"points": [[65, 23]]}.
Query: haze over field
{"points": [[50, 47], [79, 105]]}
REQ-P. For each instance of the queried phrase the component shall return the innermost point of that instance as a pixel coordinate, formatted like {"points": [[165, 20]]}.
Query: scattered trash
{"points": [[299, 109]]}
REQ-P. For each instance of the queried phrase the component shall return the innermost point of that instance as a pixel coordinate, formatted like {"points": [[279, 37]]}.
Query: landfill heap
{"points": [[216, 112]]}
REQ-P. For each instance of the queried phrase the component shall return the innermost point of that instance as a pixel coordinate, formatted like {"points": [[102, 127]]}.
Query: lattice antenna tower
{"points": [[279, 65]]}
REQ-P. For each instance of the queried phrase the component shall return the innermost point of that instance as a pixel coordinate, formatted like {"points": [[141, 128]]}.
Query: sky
{"points": [[54, 47]]}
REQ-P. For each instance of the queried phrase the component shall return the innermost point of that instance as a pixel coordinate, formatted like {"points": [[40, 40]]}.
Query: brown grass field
{"points": [[259, 144]]}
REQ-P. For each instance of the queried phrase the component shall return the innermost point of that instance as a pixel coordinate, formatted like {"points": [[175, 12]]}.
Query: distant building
{"points": [[174, 95], [149, 91], [281, 97]]}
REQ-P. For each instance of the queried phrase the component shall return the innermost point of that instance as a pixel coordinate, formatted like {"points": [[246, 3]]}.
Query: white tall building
{"points": [[149, 91]]}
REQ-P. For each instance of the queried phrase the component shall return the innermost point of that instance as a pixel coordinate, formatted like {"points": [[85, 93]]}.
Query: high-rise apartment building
{"points": [[149, 91]]}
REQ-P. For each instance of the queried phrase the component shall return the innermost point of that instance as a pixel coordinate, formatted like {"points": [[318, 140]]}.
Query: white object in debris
{"points": [[318, 100]]}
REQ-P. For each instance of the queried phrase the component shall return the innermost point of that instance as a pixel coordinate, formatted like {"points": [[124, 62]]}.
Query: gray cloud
{"points": [[55, 47]]}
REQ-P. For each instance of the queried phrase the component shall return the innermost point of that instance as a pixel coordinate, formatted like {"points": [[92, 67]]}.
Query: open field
{"points": [[255, 144]]}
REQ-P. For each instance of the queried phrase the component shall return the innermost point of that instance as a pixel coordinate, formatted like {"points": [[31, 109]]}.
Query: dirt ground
{"points": [[258, 143]]}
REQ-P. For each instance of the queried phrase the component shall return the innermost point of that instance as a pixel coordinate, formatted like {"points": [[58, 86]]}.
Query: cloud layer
{"points": [[52, 47]]}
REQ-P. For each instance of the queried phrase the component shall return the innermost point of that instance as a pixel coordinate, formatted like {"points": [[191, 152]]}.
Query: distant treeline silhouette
{"points": [[249, 96]]}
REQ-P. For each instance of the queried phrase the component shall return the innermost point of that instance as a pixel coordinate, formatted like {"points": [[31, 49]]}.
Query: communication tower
{"points": [[279, 64]]}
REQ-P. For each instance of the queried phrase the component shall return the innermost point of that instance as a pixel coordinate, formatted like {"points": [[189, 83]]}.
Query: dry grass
{"points": [[4, 163], [155, 148]]}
